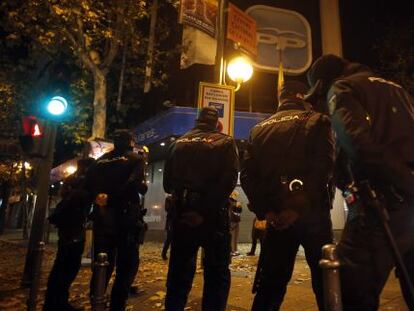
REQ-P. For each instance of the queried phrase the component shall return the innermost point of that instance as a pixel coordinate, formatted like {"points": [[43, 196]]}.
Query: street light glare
{"points": [[57, 105], [71, 169], [240, 69]]}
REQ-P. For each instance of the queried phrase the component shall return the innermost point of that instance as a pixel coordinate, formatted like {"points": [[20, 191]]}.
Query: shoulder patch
{"points": [[381, 80], [332, 104]]}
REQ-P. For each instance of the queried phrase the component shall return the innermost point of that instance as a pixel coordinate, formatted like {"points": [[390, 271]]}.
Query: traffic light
{"points": [[57, 106], [31, 139]]}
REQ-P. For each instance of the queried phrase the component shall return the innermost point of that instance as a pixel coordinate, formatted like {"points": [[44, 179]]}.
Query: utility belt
{"points": [[288, 187], [284, 186], [186, 200], [279, 190], [361, 196], [291, 184], [364, 190]]}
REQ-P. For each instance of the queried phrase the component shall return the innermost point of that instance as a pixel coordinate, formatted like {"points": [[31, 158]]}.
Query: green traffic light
{"points": [[57, 105]]}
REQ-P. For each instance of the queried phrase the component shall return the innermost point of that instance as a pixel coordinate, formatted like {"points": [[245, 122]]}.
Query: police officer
{"points": [[70, 219], [374, 120], [287, 165], [118, 176], [200, 172]]}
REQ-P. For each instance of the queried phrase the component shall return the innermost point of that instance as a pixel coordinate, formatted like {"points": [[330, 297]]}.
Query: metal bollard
{"points": [[331, 281], [100, 270], [34, 286]]}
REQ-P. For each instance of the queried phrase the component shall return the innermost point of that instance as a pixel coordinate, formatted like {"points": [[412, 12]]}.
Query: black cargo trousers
{"points": [[214, 238], [366, 257], [278, 258], [122, 247], [64, 271]]}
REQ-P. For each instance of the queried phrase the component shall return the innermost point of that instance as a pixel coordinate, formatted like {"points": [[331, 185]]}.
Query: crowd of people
{"points": [[349, 129]]}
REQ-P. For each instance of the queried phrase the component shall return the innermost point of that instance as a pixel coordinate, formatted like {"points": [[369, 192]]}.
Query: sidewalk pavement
{"points": [[151, 281], [299, 293]]}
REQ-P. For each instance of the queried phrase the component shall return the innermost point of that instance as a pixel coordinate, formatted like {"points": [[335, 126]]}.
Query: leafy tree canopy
{"points": [[396, 54], [80, 44]]}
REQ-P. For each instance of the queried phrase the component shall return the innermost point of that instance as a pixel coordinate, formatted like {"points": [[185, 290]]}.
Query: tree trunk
{"points": [[121, 78], [150, 51], [99, 104]]}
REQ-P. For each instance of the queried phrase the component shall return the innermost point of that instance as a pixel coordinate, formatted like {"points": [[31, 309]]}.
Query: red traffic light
{"points": [[31, 127]]}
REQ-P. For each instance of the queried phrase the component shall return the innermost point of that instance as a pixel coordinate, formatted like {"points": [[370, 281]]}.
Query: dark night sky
{"points": [[364, 22]]}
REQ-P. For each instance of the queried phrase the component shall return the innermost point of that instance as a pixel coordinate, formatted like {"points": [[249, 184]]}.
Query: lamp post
{"points": [[56, 108], [239, 70], [221, 38]]}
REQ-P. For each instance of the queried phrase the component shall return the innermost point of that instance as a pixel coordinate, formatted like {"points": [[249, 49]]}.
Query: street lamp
{"points": [[240, 70], [71, 169]]}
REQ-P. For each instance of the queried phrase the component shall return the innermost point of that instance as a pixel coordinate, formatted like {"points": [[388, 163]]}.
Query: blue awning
{"points": [[178, 120]]}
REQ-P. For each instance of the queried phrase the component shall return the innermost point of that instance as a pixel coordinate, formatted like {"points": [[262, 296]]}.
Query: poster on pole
{"points": [[200, 14], [241, 28], [220, 97]]}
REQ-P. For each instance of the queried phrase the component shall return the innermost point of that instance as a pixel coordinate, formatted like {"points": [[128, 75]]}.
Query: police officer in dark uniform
{"points": [[285, 173], [374, 123], [200, 172], [70, 219], [118, 176]]}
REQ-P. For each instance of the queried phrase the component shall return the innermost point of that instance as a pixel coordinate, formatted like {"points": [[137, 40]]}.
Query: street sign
{"points": [[281, 30], [241, 28], [220, 97]]}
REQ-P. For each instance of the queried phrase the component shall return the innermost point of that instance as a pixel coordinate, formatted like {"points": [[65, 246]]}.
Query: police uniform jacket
{"points": [[296, 143], [71, 212], [203, 161], [121, 176], [374, 122]]}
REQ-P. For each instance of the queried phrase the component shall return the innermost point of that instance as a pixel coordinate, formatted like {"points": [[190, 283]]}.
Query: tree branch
{"points": [[81, 37], [82, 53], [78, 47], [114, 42]]}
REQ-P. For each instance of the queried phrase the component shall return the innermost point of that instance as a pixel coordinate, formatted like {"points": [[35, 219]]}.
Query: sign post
{"points": [[39, 215], [220, 97]]}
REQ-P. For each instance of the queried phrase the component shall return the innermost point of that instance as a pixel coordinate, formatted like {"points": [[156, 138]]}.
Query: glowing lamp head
{"points": [[57, 106], [240, 69]]}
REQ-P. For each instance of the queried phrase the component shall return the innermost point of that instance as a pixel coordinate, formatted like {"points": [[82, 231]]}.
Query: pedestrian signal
{"points": [[31, 127], [31, 139]]}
